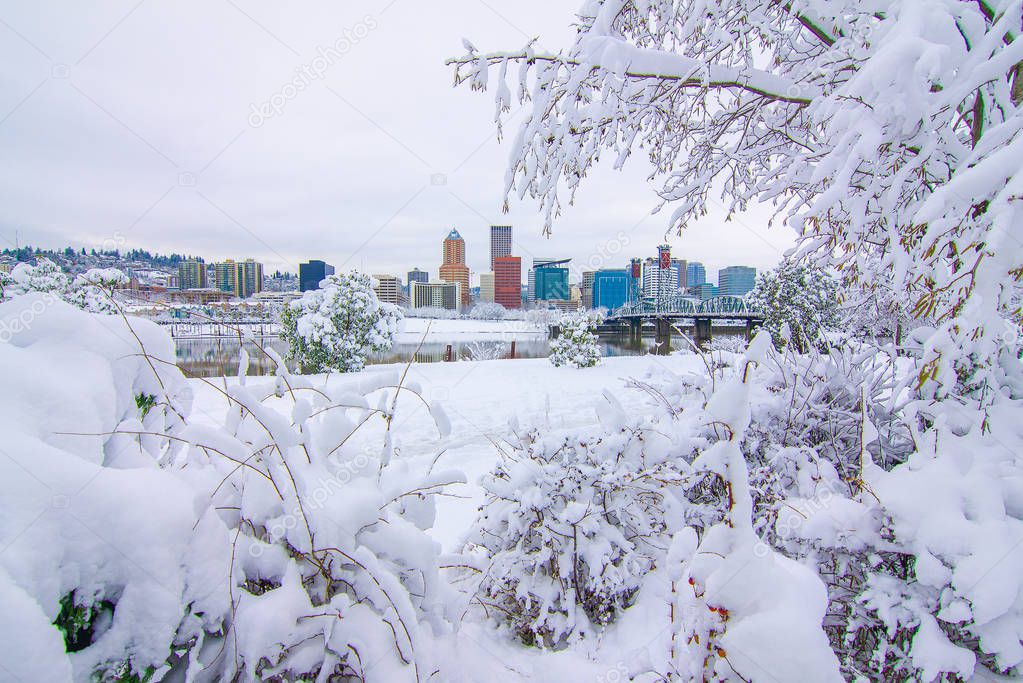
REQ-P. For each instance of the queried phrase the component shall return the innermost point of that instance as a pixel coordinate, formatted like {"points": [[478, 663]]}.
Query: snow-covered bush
{"points": [[44, 277], [336, 326], [488, 310], [112, 567], [576, 343], [283, 541], [730, 343], [93, 291], [571, 524], [799, 303]]}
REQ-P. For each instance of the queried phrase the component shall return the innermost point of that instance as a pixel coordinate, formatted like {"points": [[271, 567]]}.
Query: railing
{"points": [[687, 307]]}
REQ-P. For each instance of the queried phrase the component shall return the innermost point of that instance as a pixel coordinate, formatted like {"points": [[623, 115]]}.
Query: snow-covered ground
{"points": [[480, 399]]}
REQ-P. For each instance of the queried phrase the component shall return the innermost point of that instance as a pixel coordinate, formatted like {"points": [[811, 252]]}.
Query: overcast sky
{"points": [[142, 124]]}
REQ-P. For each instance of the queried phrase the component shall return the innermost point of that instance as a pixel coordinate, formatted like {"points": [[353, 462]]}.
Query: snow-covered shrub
{"points": [[730, 343], [283, 541], [44, 277], [335, 576], [93, 291], [576, 343], [799, 303], [488, 310], [336, 326], [571, 524], [111, 565]]}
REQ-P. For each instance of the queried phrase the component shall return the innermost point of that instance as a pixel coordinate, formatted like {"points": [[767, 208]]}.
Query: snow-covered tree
{"points": [[576, 343], [886, 134], [799, 304], [336, 326], [488, 310], [44, 277]]}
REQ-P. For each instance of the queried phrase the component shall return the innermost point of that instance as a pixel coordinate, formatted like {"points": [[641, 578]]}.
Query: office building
{"points": [[587, 288], [508, 281], [453, 268], [436, 295], [311, 274], [551, 283], [487, 288], [736, 280], [696, 274], [416, 275], [500, 242], [611, 288], [683, 272], [192, 274], [389, 289]]}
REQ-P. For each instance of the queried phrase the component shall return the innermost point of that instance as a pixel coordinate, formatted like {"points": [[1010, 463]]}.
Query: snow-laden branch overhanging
{"points": [[605, 54]]}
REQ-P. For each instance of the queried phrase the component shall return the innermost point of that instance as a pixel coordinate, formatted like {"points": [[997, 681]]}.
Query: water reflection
{"points": [[218, 356]]}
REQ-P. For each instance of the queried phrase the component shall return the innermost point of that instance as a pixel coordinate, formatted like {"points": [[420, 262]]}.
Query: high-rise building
{"points": [[487, 288], [500, 242], [192, 274], [416, 275], [508, 281], [225, 276], [683, 272], [587, 288], [249, 278], [240, 278], [453, 268], [611, 288], [311, 274], [436, 295], [696, 274], [658, 281], [551, 283], [389, 289], [736, 280]]}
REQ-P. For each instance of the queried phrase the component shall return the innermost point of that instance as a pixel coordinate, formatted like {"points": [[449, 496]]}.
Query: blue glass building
{"points": [[736, 280], [552, 284], [611, 288], [696, 274]]}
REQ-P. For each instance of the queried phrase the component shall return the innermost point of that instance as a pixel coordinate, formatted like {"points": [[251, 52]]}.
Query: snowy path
{"points": [[480, 398]]}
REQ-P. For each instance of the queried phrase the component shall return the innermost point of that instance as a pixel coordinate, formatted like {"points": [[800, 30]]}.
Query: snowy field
{"points": [[481, 399]]}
